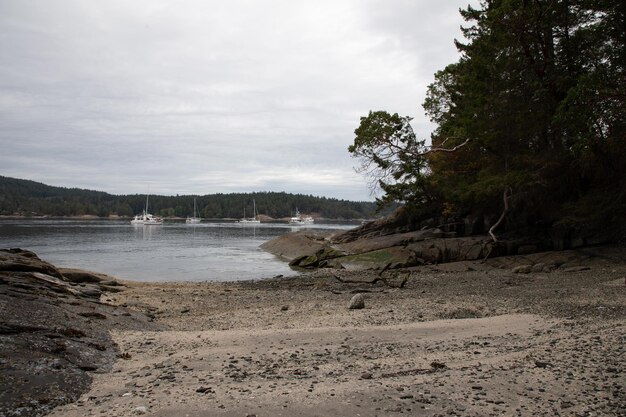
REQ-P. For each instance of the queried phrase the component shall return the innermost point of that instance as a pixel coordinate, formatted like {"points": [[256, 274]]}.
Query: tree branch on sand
{"points": [[505, 196]]}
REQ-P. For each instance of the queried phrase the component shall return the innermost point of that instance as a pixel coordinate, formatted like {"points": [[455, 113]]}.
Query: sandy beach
{"points": [[465, 338]]}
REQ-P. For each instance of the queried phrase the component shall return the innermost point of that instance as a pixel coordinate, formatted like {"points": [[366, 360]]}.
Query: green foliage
{"points": [[540, 93], [392, 157], [29, 198]]}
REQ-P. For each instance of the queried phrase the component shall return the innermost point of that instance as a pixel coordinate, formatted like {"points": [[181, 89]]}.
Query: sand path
{"points": [[362, 371]]}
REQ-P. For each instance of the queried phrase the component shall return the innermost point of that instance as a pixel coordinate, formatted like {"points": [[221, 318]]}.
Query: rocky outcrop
{"points": [[19, 260], [518, 234], [53, 333], [321, 258], [393, 251], [405, 239], [298, 244]]}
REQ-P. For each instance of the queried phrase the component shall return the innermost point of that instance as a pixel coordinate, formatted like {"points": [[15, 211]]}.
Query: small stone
{"points": [[357, 302], [541, 364], [141, 410], [366, 375], [522, 269], [284, 308]]}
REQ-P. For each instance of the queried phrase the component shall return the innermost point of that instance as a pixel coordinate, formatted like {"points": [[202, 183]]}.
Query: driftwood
{"points": [[374, 280], [507, 192]]}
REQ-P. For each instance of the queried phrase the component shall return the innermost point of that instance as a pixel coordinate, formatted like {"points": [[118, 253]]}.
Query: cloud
{"points": [[206, 96]]}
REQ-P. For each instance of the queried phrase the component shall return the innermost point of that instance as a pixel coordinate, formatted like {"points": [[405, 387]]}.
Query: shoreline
{"points": [[265, 219], [465, 338]]}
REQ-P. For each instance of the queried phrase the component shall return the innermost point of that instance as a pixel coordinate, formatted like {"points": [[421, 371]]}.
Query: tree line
{"points": [[30, 198], [531, 121]]}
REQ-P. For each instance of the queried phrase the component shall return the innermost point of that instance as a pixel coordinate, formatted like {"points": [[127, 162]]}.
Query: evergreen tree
{"points": [[538, 97]]}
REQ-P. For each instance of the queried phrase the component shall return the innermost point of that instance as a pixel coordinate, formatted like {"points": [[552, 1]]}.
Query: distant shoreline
{"points": [[173, 219]]}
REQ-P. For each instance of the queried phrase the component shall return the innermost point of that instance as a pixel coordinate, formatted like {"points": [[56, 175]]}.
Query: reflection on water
{"points": [[171, 252], [146, 232]]}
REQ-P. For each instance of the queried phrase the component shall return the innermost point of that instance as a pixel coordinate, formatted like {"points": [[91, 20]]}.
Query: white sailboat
{"points": [[194, 219], [145, 218], [250, 220], [298, 220]]}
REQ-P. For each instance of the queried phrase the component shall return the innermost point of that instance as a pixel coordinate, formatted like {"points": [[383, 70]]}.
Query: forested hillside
{"points": [[531, 122], [29, 198]]}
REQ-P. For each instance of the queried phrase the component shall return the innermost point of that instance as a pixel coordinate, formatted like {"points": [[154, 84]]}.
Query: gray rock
{"points": [[111, 283], [20, 260], [80, 276], [357, 302], [141, 410], [91, 291], [107, 288], [50, 322]]}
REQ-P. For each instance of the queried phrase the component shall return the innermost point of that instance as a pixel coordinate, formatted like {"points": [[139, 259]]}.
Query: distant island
{"points": [[25, 198]]}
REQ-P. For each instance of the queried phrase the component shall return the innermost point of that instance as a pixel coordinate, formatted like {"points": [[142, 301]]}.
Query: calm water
{"points": [[172, 252]]}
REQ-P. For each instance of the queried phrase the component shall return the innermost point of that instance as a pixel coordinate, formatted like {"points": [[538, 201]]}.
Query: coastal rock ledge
{"points": [[54, 332], [309, 249]]}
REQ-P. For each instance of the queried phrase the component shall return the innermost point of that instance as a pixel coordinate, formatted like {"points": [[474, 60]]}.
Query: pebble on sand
{"points": [[141, 410], [357, 302]]}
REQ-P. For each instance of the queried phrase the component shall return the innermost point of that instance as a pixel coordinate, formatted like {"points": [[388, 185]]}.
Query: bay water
{"points": [[175, 251]]}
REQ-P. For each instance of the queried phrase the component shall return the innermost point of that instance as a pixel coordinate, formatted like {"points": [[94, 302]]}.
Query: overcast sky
{"points": [[202, 96]]}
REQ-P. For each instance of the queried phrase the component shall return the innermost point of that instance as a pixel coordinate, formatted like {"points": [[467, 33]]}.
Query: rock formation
{"points": [[53, 332]]}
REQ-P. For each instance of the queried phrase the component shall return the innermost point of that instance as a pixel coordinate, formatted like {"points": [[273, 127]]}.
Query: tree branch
{"points": [[447, 149]]}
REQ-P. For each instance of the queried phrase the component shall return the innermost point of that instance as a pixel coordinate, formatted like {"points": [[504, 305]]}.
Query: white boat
{"points": [[146, 218], [194, 219], [152, 220], [298, 220], [250, 220]]}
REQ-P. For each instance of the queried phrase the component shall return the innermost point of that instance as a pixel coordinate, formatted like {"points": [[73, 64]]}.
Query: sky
{"points": [[203, 96]]}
